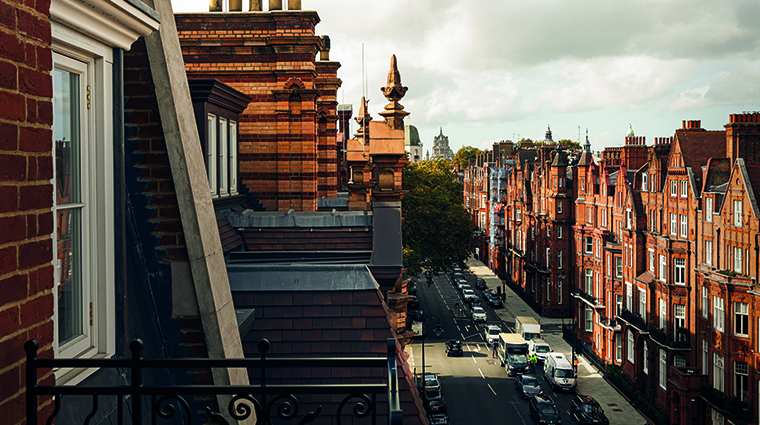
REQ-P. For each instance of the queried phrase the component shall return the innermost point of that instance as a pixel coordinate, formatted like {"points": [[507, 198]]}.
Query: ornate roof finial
{"points": [[548, 135], [630, 131], [363, 119], [393, 91], [587, 145]]}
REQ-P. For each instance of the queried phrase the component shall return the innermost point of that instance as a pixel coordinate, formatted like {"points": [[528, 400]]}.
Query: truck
{"points": [[527, 327], [415, 317], [513, 353], [540, 348]]}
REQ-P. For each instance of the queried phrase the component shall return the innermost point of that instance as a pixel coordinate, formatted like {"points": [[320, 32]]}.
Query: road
{"points": [[476, 389]]}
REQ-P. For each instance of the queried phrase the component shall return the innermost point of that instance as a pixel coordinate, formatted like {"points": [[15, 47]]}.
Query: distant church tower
{"points": [[441, 147]]}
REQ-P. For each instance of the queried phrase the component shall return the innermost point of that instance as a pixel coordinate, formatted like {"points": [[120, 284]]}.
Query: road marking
{"points": [[494, 392], [481, 373]]}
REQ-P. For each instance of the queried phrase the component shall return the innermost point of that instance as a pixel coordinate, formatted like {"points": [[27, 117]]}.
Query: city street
{"points": [[476, 389]]}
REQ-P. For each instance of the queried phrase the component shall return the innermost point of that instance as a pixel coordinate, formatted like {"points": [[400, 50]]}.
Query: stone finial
{"points": [[394, 113], [363, 119]]}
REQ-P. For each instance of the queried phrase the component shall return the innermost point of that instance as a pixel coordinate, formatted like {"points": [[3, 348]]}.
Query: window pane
{"points": [[68, 259], [66, 132]]}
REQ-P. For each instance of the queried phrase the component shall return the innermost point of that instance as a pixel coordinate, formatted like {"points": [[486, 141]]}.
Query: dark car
{"points": [[480, 284], [435, 406], [489, 292], [476, 302], [454, 348], [527, 385], [413, 304], [438, 419], [586, 410], [493, 300], [543, 410]]}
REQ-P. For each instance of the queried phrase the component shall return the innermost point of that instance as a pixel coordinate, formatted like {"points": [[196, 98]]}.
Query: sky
{"points": [[485, 71]]}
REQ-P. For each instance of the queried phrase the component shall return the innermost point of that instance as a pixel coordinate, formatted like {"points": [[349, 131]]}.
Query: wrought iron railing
{"points": [[733, 407], [264, 400], [586, 296]]}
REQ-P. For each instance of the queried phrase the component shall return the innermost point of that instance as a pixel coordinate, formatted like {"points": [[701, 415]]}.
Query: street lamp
{"points": [[438, 331]]}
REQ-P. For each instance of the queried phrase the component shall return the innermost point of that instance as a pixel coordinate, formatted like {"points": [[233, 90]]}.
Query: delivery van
{"points": [[559, 371]]}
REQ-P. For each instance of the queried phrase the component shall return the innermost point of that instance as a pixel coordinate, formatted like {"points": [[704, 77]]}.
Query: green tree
{"points": [[569, 144], [464, 154], [436, 227]]}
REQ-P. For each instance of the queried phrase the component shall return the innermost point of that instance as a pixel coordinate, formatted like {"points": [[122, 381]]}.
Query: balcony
{"points": [[660, 336], [634, 320], [733, 408], [608, 323], [592, 301]]}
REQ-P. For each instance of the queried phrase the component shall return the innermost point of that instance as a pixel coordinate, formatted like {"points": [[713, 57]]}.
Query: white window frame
{"points": [[679, 320], [642, 303], [93, 60], [741, 380], [559, 232], [618, 267], [644, 182], [212, 143], [705, 357], [559, 292], [589, 281], [719, 379], [645, 358], [738, 213], [631, 346], [663, 314], [559, 259], [673, 224], [673, 188], [679, 274], [663, 369], [738, 260], [589, 319], [705, 302], [741, 319], [233, 158], [663, 268], [718, 313], [224, 148], [684, 226], [684, 188], [559, 207], [708, 252], [588, 245], [629, 297], [651, 260], [708, 209]]}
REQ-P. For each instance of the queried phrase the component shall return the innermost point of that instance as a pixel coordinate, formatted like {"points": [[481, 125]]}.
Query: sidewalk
{"points": [[590, 381]]}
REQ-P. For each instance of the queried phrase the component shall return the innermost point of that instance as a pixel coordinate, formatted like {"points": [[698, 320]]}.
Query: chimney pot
{"points": [[275, 5], [324, 55], [683, 125], [236, 5], [294, 4], [255, 5], [214, 5]]}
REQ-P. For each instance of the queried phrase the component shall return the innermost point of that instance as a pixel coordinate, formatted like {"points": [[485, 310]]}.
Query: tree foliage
{"points": [[464, 154], [436, 227]]}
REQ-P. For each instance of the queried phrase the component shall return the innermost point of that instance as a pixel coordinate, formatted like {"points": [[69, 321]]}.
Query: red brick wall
{"points": [[346, 239], [143, 116], [271, 57], [26, 196]]}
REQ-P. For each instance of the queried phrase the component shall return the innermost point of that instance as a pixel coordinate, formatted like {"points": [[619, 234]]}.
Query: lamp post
{"points": [[438, 331]]}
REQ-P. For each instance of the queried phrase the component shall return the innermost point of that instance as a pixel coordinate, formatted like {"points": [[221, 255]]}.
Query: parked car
{"points": [[527, 385], [435, 406], [493, 300], [461, 283], [489, 292], [454, 348], [586, 410], [432, 395], [438, 419], [413, 304], [544, 411], [468, 294], [432, 383], [478, 314], [480, 284]]}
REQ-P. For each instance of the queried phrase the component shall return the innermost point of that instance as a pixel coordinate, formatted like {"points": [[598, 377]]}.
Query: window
{"points": [[559, 292], [684, 188], [618, 304], [708, 253], [741, 380], [630, 346], [609, 265], [663, 369], [583, 185], [737, 259], [548, 232], [643, 303], [663, 314], [652, 221], [618, 348], [679, 277], [548, 289], [705, 302], [718, 313], [718, 379], [679, 361], [663, 268], [589, 215], [548, 257], [673, 188], [518, 214], [628, 219], [83, 205], [559, 259], [705, 357], [679, 313], [589, 245], [589, 281], [629, 297], [741, 319], [651, 260], [738, 213], [717, 418], [211, 154], [684, 226], [673, 224], [708, 209], [589, 319], [645, 365], [559, 232], [644, 181], [559, 207]]}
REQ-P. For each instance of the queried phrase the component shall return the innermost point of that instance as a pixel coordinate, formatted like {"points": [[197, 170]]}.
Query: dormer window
{"points": [[644, 182]]}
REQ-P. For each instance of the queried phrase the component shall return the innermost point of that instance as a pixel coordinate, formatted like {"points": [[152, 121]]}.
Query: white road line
{"points": [[492, 390], [481, 373]]}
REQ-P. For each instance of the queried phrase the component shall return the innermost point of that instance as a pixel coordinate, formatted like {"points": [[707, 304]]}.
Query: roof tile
{"points": [[283, 298]]}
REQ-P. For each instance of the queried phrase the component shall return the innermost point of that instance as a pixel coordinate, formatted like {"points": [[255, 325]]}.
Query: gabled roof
{"points": [[696, 147]]}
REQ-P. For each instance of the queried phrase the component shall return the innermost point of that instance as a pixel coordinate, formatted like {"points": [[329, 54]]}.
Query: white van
{"points": [[559, 371], [540, 348]]}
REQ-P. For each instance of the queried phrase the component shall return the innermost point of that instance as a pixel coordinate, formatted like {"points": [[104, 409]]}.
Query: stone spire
{"points": [[363, 119], [394, 112], [587, 145], [548, 136]]}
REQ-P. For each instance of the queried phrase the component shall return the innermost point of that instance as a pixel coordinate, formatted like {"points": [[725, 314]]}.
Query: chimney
{"points": [[236, 5], [275, 5], [324, 55], [294, 4], [255, 6], [215, 5]]}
